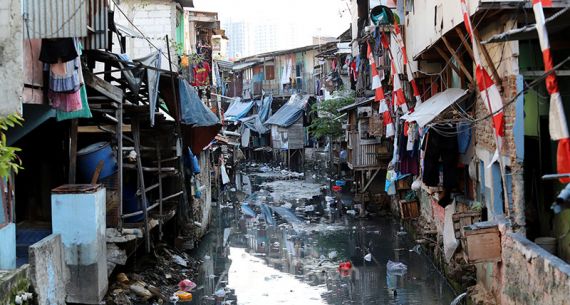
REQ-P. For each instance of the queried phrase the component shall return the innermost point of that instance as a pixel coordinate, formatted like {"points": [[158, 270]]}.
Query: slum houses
{"points": [[459, 119], [268, 98], [117, 146]]}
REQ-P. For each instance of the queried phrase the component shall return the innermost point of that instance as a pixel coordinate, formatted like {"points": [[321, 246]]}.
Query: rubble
{"points": [[155, 278]]}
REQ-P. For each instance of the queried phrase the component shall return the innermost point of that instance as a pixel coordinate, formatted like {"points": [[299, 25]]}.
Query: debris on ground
{"points": [[155, 279]]}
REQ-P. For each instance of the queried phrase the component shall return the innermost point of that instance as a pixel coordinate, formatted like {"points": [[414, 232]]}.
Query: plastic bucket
{"points": [[547, 243], [88, 158]]}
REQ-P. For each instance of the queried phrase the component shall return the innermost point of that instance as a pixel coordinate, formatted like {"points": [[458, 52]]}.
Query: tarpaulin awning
{"points": [[554, 23], [200, 124], [290, 112], [430, 109], [237, 110]]}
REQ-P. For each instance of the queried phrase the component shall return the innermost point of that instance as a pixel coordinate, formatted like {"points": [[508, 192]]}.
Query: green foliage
{"points": [[9, 160], [325, 112]]}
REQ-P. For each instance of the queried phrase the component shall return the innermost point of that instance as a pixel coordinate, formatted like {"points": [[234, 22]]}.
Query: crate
{"points": [[404, 183], [409, 209], [482, 243], [464, 219]]}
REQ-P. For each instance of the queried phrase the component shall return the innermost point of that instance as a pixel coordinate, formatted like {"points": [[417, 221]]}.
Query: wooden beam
{"points": [[73, 152], [490, 63], [370, 181], [458, 60], [465, 42], [103, 87], [448, 60]]}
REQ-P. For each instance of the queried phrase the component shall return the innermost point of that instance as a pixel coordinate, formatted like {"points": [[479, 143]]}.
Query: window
{"points": [[269, 72]]}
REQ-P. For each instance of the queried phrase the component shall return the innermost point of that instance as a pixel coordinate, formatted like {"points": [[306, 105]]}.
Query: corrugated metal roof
{"points": [[245, 65], [430, 109], [55, 18], [290, 112], [98, 21]]}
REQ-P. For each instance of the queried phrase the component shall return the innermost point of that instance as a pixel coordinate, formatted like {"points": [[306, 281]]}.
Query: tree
{"points": [[326, 122], [9, 161]]}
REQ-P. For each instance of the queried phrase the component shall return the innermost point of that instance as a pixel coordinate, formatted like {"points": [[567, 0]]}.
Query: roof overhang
{"points": [[427, 111]]}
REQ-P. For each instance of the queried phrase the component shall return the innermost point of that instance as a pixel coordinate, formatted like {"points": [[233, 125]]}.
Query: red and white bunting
{"points": [[387, 118], [487, 87], [558, 125], [376, 81], [407, 66], [398, 93]]}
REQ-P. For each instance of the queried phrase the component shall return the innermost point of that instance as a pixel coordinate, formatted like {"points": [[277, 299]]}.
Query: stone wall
{"points": [[13, 283], [531, 275], [11, 65], [48, 271]]}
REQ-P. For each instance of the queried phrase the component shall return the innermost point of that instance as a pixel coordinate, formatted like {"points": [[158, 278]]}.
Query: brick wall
{"points": [[11, 66]]}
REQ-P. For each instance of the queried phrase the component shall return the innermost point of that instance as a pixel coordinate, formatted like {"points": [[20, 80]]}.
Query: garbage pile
{"points": [[164, 277]]}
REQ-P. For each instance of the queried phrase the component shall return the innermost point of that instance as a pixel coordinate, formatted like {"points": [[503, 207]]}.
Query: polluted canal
{"points": [[278, 239]]}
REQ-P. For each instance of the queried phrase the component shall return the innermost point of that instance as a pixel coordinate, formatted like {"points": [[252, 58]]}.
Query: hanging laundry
{"points": [[441, 144], [84, 112], [58, 50]]}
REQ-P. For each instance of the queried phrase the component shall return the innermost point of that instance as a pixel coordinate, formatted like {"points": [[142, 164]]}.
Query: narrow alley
{"points": [[223, 152]]}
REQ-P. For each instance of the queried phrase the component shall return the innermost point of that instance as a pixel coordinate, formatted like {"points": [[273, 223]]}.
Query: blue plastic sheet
{"points": [[290, 112], [193, 111]]}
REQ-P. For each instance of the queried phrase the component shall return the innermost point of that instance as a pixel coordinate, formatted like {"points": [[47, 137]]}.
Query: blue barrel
{"points": [[131, 204], [89, 157], [340, 183]]}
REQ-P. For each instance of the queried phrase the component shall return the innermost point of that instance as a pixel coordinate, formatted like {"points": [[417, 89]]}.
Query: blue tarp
{"points": [[265, 108], [290, 112], [246, 210], [194, 112], [237, 110]]}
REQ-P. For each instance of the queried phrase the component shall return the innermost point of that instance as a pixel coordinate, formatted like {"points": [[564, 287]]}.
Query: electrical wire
{"points": [[68, 20], [145, 37]]}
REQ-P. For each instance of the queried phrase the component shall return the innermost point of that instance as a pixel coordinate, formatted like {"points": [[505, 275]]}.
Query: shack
{"points": [[288, 130]]}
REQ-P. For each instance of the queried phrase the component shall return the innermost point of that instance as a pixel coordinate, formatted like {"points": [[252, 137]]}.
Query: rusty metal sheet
{"points": [[55, 18]]}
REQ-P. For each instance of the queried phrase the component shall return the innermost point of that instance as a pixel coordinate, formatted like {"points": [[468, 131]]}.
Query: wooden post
{"points": [[485, 52], [465, 42], [160, 217], [447, 59], [119, 134], [73, 152], [179, 144], [136, 136], [458, 60]]}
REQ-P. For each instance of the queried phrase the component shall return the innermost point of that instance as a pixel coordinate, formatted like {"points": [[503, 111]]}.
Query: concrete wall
{"points": [[156, 19], [80, 220], [8, 247], [202, 206], [531, 275], [48, 272], [13, 283], [11, 60]]}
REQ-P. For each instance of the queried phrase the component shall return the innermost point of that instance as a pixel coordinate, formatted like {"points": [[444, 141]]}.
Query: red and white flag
{"points": [[487, 87], [387, 118], [376, 81], [558, 125], [407, 66]]}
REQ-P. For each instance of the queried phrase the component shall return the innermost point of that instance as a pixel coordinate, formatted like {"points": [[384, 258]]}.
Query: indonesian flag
{"points": [[376, 82], [558, 126], [387, 119], [487, 87], [398, 93], [408, 67]]}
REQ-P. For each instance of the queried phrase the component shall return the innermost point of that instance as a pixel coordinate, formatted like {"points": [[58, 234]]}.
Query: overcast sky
{"points": [[324, 17]]}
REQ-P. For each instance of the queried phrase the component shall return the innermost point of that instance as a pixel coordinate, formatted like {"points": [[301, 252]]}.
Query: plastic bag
{"points": [[396, 267]]}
